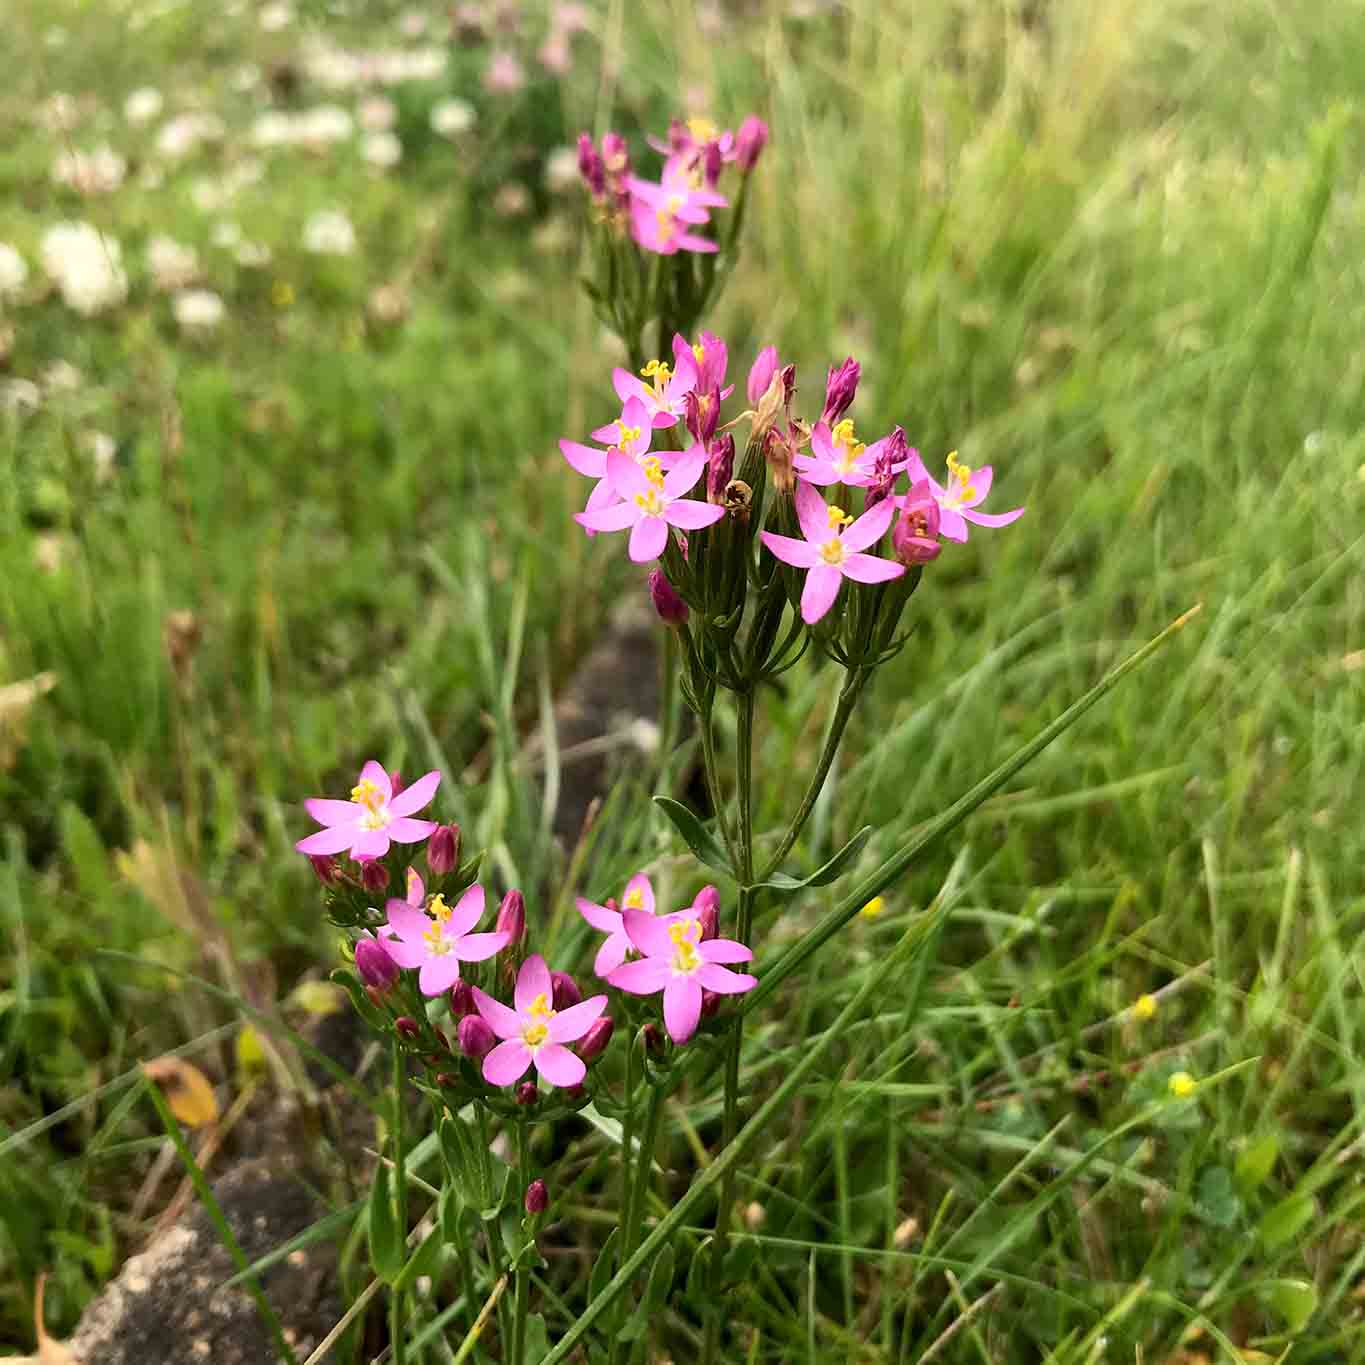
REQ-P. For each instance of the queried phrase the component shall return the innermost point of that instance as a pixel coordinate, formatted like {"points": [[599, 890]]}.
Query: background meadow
{"points": [[289, 496]]}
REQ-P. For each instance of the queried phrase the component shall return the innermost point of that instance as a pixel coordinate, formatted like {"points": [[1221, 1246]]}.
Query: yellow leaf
{"points": [[250, 1053], [186, 1088]]}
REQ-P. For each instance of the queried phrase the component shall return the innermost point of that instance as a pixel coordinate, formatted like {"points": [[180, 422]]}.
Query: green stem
{"points": [[711, 771], [521, 1272], [398, 1295], [848, 699]]}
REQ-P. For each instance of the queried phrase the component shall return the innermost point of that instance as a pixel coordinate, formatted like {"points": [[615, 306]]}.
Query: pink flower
{"points": [[372, 818], [505, 75], [638, 895], [713, 357], [666, 396], [840, 457], [965, 490], [651, 502], [535, 1032], [630, 434], [830, 549], [438, 942], [679, 962], [750, 141], [915, 539], [761, 374], [660, 215]]}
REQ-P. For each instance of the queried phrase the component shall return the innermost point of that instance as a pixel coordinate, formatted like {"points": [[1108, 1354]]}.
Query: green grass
{"points": [[1115, 255]]}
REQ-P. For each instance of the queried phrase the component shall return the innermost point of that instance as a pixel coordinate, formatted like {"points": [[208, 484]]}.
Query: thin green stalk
{"points": [[711, 772], [398, 1294], [219, 1221], [521, 1273]]}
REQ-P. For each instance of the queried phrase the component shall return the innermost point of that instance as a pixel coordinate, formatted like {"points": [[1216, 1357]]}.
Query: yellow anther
{"points": [[654, 470], [437, 944], [366, 793], [961, 472], [664, 222], [650, 503], [628, 435], [842, 435], [1182, 1085], [535, 1035], [1144, 1007], [541, 1008], [700, 352], [635, 899], [873, 908], [658, 371], [702, 129], [685, 931], [833, 552], [440, 911], [838, 518], [686, 934]]}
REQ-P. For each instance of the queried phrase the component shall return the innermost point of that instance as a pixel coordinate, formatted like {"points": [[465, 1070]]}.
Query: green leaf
{"points": [[386, 1240], [1294, 1301], [426, 1260], [1256, 1161], [1286, 1220], [601, 1270], [86, 853], [660, 1281], [467, 1162], [1218, 1201], [537, 1338], [702, 843], [822, 876]]}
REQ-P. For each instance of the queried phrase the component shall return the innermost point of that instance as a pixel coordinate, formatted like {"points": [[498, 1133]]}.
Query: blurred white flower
{"points": [[62, 377], [389, 303], [86, 266], [561, 170], [198, 310], [98, 172], [181, 136], [143, 105], [382, 149], [452, 117], [273, 129], [20, 395], [412, 23], [253, 255], [102, 449], [377, 113], [60, 114], [276, 16], [172, 265], [13, 271], [512, 200], [227, 236], [246, 78], [329, 233], [326, 124]]}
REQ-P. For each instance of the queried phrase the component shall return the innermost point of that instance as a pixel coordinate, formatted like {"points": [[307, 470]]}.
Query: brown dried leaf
{"points": [[186, 1088]]}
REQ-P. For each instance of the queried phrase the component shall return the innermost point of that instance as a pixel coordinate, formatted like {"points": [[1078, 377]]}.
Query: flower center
{"points": [[537, 1033], [961, 475], [664, 225], [848, 446], [366, 793], [702, 129], [660, 373], [651, 502], [686, 934], [628, 436], [437, 943], [634, 899], [700, 352]]}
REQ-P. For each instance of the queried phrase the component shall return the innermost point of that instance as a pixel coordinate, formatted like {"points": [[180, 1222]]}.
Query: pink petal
{"points": [[406, 831], [627, 478], [722, 980], [417, 891], [615, 517], [822, 443], [480, 947], [636, 414], [641, 977], [649, 933], [332, 813], [439, 974], [951, 524], [981, 481], [374, 772], [532, 980], [870, 527], [416, 794], [627, 386], [558, 1065], [691, 515], [815, 471], [607, 921], [328, 840], [639, 882], [690, 242], [812, 513], [684, 475], [574, 1022], [682, 1008], [800, 553], [608, 435], [406, 954], [822, 587], [507, 1062], [611, 954], [370, 843], [504, 1022], [584, 459], [466, 912], [648, 539], [724, 950], [914, 468], [870, 569], [992, 518], [409, 923]]}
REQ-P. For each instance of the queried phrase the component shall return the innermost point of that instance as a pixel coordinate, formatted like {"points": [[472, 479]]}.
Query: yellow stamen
{"points": [[832, 551], [627, 437], [658, 371], [439, 909], [366, 793], [654, 470], [635, 899], [650, 503], [437, 944], [700, 352], [702, 129], [838, 518], [847, 444], [535, 1035], [686, 934], [664, 223], [541, 1008]]}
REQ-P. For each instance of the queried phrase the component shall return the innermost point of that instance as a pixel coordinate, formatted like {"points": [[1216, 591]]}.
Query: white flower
{"points": [[561, 170], [143, 105], [412, 23], [377, 113], [452, 117], [102, 449], [198, 310], [273, 129], [227, 236], [97, 172], [172, 265], [62, 377], [382, 149], [329, 233], [324, 125], [86, 266], [13, 271], [20, 395], [253, 255], [181, 136], [276, 16]]}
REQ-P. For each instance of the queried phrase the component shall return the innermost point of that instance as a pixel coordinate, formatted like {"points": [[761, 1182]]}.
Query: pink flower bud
{"points": [[375, 966], [701, 411], [671, 608], [710, 1003], [475, 1037], [653, 1038], [374, 876], [447, 1080], [407, 1028], [892, 457], [914, 538], [512, 918], [565, 992], [706, 907], [527, 1094], [840, 388], [591, 167], [537, 1197], [615, 154], [720, 467], [443, 850], [328, 873], [761, 374], [594, 1042], [711, 163], [750, 141], [461, 1000]]}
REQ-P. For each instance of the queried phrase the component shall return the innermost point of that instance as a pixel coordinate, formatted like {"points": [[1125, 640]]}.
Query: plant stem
{"points": [[848, 699], [398, 1295], [712, 773], [521, 1273]]}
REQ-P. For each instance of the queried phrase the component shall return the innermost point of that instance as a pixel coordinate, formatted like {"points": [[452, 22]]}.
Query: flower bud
{"points": [[777, 450], [537, 1197], [443, 850], [701, 411], [375, 966], [653, 1039], [328, 872], [840, 389], [461, 1000], [710, 1003], [720, 467], [564, 991], [407, 1028], [594, 1042], [711, 163], [475, 1037], [374, 876], [447, 1080], [591, 167], [914, 538], [615, 154], [512, 918], [761, 374], [750, 141], [527, 1094], [706, 907], [376, 996], [671, 608]]}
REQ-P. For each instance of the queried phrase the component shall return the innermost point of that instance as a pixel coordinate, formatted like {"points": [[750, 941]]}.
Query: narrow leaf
{"points": [[823, 875], [386, 1242], [697, 837]]}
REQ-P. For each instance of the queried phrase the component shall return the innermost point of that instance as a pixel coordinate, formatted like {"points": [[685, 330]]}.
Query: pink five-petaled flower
{"points": [[665, 395], [630, 434], [679, 962], [535, 1032], [651, 502], [660, 215], [840, 457], [965, 491], [831, 549], [438, 942], [373, 816], [638, 895]]}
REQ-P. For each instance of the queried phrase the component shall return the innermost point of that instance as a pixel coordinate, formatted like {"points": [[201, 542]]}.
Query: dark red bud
{"points": [[701, 412], [720, 467], [594, 1042], [591, 167], [328, 873], [443, 850], [461, 1000], [396, 783], [537, 1197], [750, 141], [475, 1037], [671, 608], [376, 967], [447, 1080], [653, 1040], [512, 918], [527, 1094], [374, 876], [711, 163], [566, 993], [375, 994], [710, 1003], [840, 389], [407, 1028], [706, 906]]}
